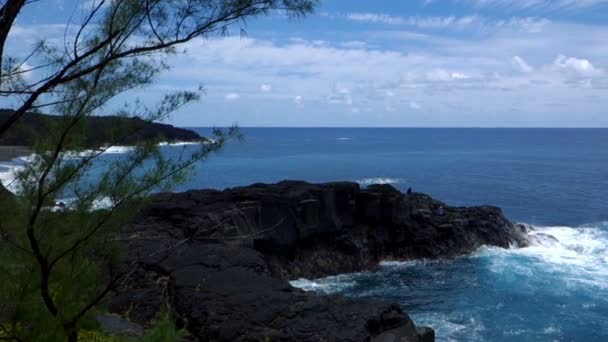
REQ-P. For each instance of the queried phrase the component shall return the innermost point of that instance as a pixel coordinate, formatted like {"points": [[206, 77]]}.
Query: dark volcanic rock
{"points": [[99, 130], [313, 230], [221, 259]]}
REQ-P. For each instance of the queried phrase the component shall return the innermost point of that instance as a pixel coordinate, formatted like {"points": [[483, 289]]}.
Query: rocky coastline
{"points": [[98, 130], [222, 260]]}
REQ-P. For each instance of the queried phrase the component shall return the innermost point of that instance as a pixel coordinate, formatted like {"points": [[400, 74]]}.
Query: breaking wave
{"points": [[379, 180], [9, 171], [555, 289]]}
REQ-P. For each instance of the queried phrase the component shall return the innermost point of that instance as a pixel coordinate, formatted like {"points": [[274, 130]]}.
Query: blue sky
{"points": [[414, 63]]}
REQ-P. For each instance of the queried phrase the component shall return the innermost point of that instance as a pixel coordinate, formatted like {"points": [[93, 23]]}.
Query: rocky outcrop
{"points": [[221, 259], [98, 130]]}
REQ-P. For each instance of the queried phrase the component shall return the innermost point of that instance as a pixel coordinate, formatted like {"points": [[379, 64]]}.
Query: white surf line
{"points": [[379, 180]]}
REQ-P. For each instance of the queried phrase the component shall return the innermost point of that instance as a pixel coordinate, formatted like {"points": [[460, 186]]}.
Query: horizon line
{"points": [[408, 127]]}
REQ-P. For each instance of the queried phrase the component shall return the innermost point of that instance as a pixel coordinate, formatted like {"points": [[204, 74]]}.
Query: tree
{"points": [[58, 266]]}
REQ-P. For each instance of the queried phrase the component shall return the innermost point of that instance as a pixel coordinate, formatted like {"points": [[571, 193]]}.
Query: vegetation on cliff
{"points": [[59, 266], [97, 131]]}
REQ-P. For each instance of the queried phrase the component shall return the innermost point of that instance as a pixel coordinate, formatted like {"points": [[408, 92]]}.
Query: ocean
{"points": [[553, 179]]}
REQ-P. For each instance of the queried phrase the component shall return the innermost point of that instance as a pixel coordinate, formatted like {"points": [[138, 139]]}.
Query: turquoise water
{"points": [[554, 179]]}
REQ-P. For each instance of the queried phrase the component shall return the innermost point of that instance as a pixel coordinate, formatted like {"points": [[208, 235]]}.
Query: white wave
{"points": [[379, 180], [451, 327], [393, 263], [179, 143], [8, 178], [577, 255], [344, 138], [326, 285], [9, 171], [97, 204], [103, 150], [397, 265], [551, 330], [583, 246], [122, 149]]}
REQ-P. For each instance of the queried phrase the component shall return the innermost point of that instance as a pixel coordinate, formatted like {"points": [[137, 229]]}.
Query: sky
{"points": [[389, 63]]}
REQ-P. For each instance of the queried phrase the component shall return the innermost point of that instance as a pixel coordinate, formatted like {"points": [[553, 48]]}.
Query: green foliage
{"points": [[164, 331], [59, 265]]}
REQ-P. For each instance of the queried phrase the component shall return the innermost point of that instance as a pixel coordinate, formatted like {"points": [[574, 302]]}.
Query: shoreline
{"points": [[10, 153], [11, 159]]}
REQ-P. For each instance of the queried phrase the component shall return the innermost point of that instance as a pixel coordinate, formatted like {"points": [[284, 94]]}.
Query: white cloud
{"points": [[538, 4], [449, 75], [488, 66], [469, 22], [26, 70], [522, 24], [579, 65], [375, 18], [458, 76], [340, 96], [265, 88], [232, 97], [354, 44], [520, 64], [443, 75], [427, 22]]}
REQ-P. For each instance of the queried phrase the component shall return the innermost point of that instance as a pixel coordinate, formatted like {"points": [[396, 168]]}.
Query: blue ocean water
{"points": [[554, 179]]}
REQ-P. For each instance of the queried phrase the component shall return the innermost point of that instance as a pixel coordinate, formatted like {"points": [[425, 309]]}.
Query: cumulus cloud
{"points": [[444, 74], [579, 65], [488, 66], [232, 97]]}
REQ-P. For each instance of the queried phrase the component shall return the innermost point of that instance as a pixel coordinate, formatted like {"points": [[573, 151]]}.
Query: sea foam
{"points": [[326, 285], [9, 171], [379, 180]]}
